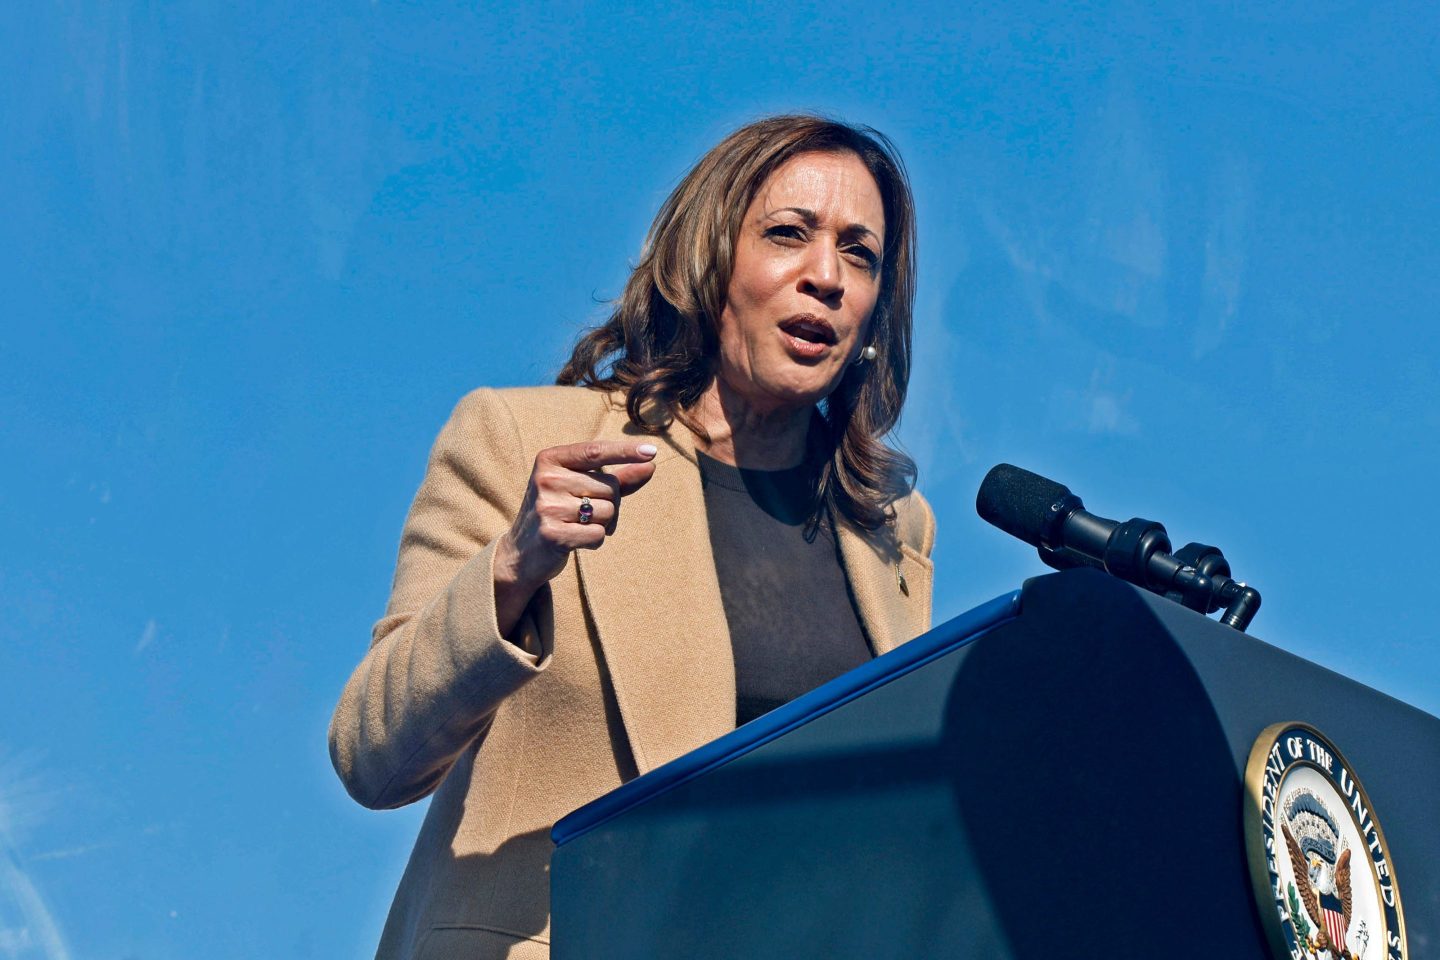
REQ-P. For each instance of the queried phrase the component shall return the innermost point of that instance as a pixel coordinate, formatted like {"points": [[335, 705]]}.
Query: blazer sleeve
{"points": [[438, 668]]}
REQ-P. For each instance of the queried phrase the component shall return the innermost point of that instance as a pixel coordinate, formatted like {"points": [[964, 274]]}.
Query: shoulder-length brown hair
{"points": [[661, 343]]}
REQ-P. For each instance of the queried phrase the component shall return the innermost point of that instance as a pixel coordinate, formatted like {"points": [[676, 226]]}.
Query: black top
{"points": [[792, 621]]}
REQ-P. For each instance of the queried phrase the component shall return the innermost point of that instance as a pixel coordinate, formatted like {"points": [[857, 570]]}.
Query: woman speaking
{"points": [[702, 522]]}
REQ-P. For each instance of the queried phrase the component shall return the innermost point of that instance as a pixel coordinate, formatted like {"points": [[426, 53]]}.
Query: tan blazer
{"points": [[626, 665]]}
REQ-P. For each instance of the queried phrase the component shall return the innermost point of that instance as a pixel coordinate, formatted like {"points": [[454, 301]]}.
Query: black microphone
{"points": [[1046, 515]]}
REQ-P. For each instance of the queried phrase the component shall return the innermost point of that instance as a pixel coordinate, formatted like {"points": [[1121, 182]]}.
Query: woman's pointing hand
{"points": [[572, 502]]}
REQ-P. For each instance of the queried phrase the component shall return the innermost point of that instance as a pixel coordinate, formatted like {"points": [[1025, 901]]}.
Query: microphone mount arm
{"points": [[1137, 551]]}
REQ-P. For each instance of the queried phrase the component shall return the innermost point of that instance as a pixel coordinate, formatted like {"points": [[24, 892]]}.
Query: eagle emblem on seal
{"points": [[1322, 872]]}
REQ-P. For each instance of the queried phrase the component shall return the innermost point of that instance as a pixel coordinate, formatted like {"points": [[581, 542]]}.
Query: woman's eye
{"points": [[786, 231], [864, 254]]}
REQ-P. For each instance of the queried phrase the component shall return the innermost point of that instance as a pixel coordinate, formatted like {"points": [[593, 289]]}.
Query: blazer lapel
{"points": [[654, 596], [891, 586]]}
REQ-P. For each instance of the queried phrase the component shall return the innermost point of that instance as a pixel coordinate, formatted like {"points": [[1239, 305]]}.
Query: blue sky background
{"points": [[1182, 259]]}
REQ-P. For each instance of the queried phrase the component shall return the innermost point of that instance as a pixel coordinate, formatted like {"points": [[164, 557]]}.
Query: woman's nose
{"points": [[822, 276]]}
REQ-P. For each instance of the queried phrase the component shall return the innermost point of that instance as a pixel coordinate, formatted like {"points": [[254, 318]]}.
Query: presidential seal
{"points": [[1321, 868]]}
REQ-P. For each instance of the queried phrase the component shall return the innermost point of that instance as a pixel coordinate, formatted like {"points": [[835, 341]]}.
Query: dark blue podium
{"points": [[1058, 773]]}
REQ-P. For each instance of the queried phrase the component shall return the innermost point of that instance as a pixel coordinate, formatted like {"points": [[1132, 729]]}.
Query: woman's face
{"points": [[806, 277]]}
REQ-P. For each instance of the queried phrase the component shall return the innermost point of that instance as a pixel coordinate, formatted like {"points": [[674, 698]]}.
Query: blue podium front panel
{"points": [[704, 857], [1063, 781]]}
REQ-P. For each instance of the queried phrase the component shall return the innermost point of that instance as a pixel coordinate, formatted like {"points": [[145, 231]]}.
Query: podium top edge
{"points": [[905, 658]]}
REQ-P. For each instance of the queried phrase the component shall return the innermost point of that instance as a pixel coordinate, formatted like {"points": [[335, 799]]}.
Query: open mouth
{"points": [[810, 329]]}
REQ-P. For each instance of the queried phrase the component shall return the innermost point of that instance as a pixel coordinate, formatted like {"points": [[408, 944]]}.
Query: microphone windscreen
{"points": [[1018, 501]]}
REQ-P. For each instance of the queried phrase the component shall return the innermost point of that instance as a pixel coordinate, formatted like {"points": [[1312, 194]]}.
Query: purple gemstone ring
{"points": [[587, 510]]}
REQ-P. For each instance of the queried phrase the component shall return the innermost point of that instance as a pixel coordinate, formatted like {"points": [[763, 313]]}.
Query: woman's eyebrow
{"points": [[807, 215]]}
